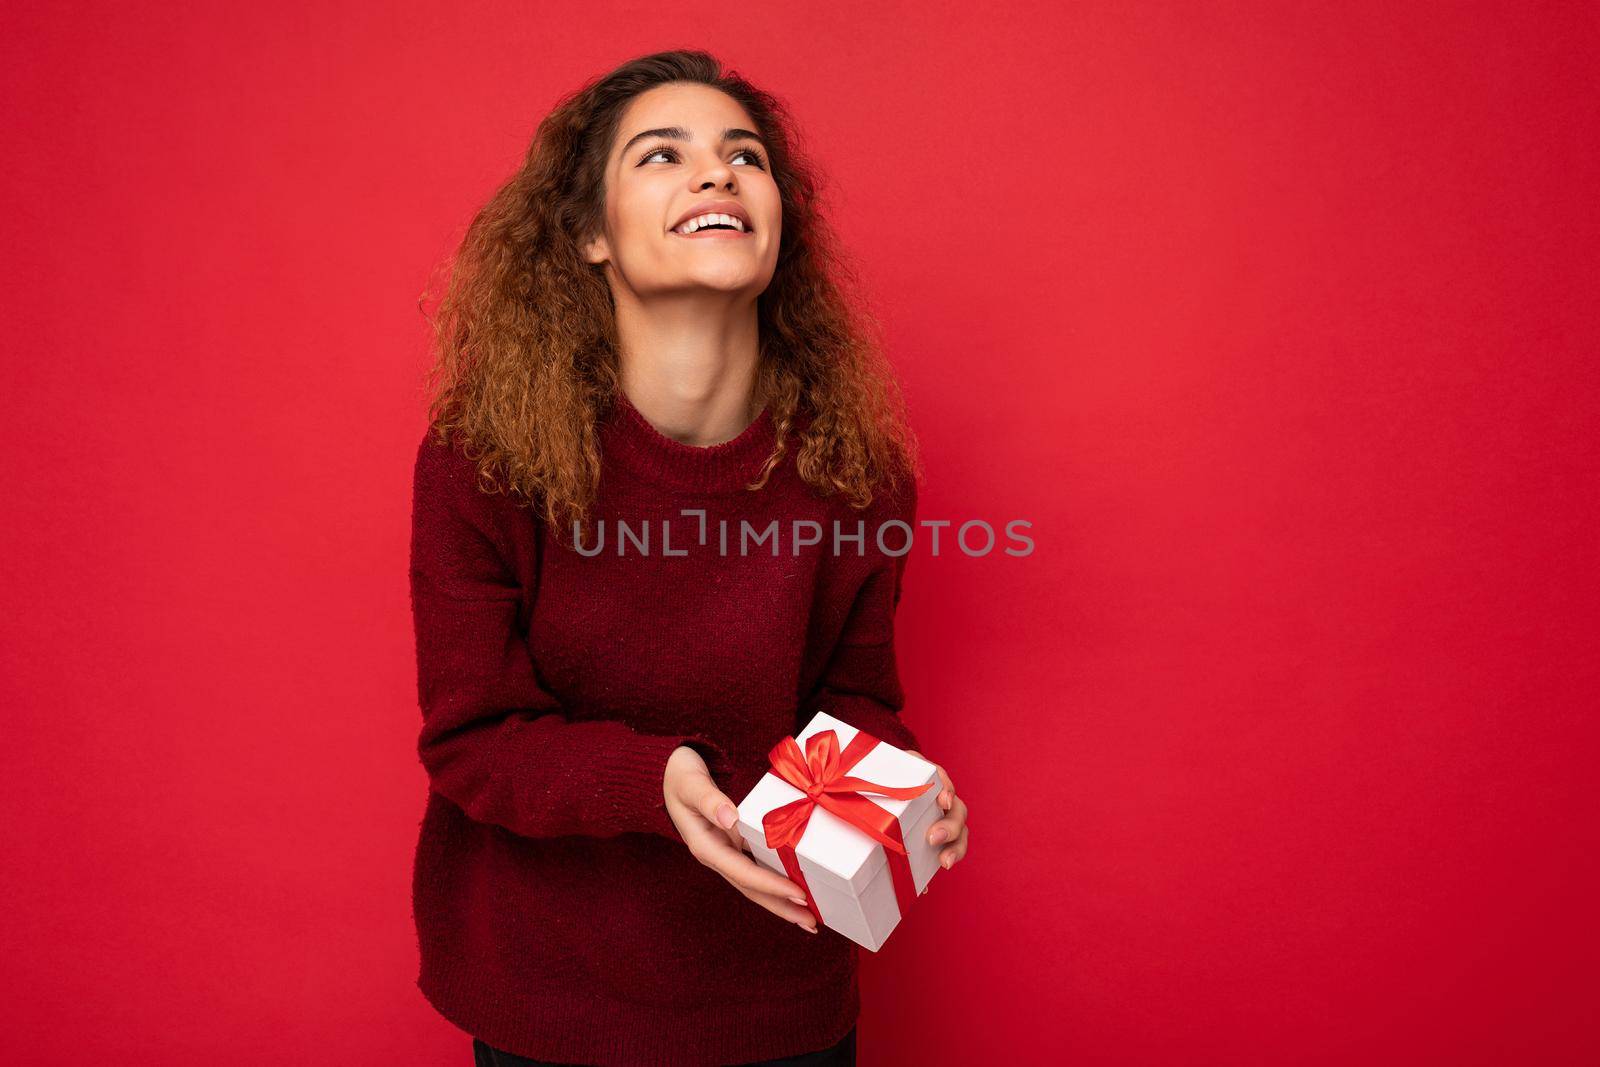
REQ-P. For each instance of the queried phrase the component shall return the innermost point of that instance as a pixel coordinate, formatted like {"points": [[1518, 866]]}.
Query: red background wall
{"points": [[1278, 322]]}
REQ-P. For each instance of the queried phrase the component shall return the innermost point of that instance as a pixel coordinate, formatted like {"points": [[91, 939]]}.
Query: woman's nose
{"points": [[719, 173]]}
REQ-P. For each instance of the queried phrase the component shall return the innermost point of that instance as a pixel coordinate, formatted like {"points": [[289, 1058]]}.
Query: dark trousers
{"points": [[841, 1055]]}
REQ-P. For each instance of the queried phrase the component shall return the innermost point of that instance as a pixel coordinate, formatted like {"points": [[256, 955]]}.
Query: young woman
{"points": [[644, 331]]}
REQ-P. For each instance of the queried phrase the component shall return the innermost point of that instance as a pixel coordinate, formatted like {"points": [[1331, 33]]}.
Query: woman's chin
{"points": [[730, 283]]}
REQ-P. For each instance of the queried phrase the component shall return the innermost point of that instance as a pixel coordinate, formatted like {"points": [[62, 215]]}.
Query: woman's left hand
{"points": [[951, 828]]}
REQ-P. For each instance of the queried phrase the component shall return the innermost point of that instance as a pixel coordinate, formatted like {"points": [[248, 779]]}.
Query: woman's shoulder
{"points": [[893, 494], [894, 498], [442, 466], [446, 473], [872, 533]]}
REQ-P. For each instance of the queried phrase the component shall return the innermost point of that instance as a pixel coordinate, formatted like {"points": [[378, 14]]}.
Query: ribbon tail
{"points": [[905, 886], [861, 785], [791, 866]]}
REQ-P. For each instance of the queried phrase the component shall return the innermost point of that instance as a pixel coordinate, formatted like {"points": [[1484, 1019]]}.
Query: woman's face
{"points": [[682, 150]]}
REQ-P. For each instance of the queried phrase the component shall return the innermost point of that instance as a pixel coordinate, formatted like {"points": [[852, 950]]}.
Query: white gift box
{"points": [[847, 870]]}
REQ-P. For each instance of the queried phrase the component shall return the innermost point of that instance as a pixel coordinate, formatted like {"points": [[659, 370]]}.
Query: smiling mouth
{"points": [[725, 232], [713, 224]]}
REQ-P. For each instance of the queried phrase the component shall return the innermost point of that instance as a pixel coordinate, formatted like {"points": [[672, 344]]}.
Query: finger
{"points": [[704, 839], [714, 856], [724, 850], [746, 874], [790, 908], [784, 908], [702, 834], [733, 834], [947, 789], [950, 827], [954, 854], [715, 807]]}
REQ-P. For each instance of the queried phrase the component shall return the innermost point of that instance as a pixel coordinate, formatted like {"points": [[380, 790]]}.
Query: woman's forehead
{"points": [[700, 110]]}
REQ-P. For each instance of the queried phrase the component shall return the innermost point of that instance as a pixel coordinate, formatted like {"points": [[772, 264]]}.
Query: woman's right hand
{"points": [[706, 820]]}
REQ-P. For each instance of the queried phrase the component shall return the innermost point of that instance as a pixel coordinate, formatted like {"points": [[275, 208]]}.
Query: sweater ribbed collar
{"points": [[631, 439]]}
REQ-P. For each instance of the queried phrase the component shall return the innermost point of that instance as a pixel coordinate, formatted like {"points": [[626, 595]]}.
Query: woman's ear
{"points": [[596, 250]]}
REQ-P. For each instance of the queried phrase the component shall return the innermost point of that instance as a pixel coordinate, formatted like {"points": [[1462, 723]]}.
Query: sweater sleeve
{"points": [[493, 740], [861, 684]]}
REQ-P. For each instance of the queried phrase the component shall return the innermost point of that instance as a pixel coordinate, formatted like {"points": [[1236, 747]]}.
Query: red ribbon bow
{"points": [[820, 775]]}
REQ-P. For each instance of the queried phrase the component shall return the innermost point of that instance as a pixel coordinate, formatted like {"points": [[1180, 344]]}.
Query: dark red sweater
{"points": [[558, 913]]}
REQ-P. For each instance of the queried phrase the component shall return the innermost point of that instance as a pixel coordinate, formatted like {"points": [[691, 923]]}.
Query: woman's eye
{"points": [[755, 157]]}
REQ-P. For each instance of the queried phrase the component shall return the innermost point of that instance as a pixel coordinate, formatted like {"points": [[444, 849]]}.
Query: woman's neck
{"points": [[690, 366]]}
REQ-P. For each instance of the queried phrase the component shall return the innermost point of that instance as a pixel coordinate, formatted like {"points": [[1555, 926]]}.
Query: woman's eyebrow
{"points": [[678, 133]]}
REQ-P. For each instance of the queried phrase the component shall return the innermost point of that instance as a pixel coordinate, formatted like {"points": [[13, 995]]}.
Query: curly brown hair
{"points": [[526, 354]]}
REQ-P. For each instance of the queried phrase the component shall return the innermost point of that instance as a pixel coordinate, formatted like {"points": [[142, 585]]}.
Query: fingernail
{"points": [[808, 928], [799, 900], [944, 800], [946, 861], [726, 815], [939, 835]]}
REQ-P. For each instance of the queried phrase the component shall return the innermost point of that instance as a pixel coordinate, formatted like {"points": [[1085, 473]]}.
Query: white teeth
{"points": [[710, 219]]}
